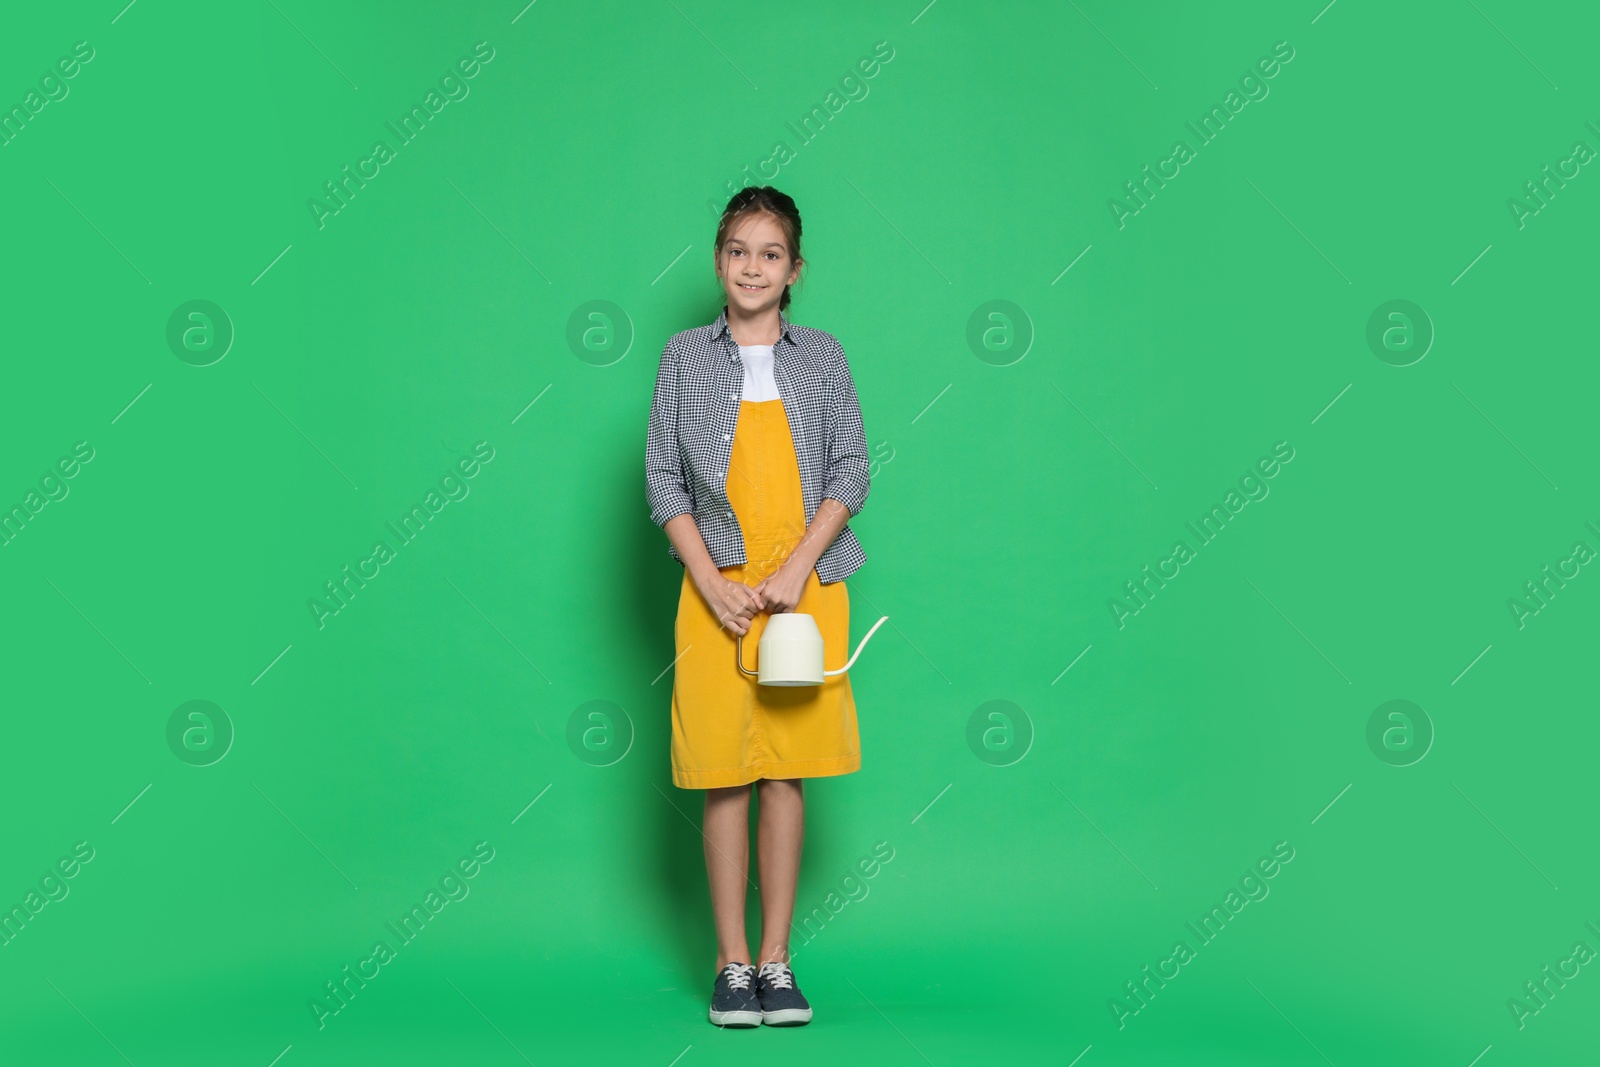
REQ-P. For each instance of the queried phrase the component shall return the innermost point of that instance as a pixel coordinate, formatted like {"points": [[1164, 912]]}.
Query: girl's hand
{"points": [[781, 591], [733, 603]]}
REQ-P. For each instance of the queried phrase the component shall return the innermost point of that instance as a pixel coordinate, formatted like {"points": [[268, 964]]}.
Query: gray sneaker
{"points": [[733, 1001], [782, 1003]]}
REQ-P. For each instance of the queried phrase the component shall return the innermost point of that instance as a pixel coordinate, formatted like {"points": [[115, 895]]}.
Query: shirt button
{"points": [[730, 514], [725, 437]]}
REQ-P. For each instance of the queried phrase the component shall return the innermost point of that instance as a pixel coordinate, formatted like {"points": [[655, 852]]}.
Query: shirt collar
{"points": [[719, 328]]}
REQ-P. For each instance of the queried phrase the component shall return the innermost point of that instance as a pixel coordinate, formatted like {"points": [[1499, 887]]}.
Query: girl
{"points": [[755, 460]]}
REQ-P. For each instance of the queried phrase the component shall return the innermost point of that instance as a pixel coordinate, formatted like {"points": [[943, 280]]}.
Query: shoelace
{"points": [[777, 975], [738, 975]]}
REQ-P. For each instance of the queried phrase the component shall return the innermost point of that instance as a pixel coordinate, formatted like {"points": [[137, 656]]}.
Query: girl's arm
{"points": [[733, 602], [665, 488], [848, 483], [848, 466], [825, 526]]}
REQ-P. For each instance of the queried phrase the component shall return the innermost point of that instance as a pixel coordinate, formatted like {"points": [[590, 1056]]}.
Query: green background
{"points": [[1017, 487]]}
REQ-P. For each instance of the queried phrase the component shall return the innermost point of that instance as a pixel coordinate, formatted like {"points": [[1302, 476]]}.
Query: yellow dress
{"points": [[727, 729]]}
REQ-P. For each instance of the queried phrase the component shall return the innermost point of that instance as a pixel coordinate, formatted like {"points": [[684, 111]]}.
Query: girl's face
{"points": [[754, 264]]}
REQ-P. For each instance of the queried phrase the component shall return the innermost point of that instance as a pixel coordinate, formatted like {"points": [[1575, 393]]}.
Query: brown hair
{"points": [[763, 199]]}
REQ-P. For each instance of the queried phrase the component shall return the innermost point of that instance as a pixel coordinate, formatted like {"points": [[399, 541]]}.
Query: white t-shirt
{"points": [[759, 384]]}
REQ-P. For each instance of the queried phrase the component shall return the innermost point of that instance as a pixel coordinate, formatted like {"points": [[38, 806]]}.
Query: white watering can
{"points": [[790, 651]]}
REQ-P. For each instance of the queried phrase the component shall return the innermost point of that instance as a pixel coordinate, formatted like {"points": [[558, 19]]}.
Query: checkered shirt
{"points": [[695, 408]]}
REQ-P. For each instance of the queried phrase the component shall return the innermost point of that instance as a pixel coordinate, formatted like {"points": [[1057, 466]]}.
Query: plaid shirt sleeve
{"points": [[848, 481], [665, 488]]}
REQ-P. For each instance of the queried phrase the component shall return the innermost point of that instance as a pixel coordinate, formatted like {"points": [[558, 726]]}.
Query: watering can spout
{"points": [[790, 652], [849, 662]]}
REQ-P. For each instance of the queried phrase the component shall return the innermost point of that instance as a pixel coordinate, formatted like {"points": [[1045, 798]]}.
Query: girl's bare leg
{"points": [[727, 835], [781, 832]]}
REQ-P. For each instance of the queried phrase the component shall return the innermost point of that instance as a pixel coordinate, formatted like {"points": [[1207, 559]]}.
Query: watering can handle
{"points": [[859, 647]]}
